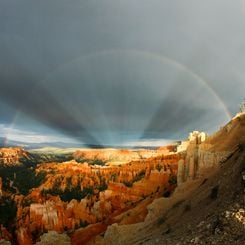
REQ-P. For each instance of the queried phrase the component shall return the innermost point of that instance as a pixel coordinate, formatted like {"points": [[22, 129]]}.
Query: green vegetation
{"points": [[52, 157], [68, 194], [21, 179], [82, 224], [69, 182], [214, 192], [172, 180], [35, 158], [241, 146], [97, 162], [113, 177], [128, 183], [27, 202], [139, 176], [92, 162], [161, 220], [29, 162], [159, 167], [187, 207], [166, 194], [72, 191], [7, 211], [136, 178], [103, 186]]}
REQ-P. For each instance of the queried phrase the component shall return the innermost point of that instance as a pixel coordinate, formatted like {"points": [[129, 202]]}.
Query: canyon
{"points": [[99, 196]]}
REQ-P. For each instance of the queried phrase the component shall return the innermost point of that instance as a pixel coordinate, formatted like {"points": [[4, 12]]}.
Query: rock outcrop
{"points": [[52, 238], [13, 156], [104, 204], [120, 155], [199, 211], [199, 157], [75, 195]]}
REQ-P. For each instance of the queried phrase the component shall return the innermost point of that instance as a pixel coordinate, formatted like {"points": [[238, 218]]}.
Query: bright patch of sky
{"points": [[26, 136]]}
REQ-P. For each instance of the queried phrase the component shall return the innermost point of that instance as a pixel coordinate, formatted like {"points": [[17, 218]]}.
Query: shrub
{"points": [[27, 202], [139, 176], [97, 162], [187, 207], [23, 179], [83, 223], [166, 194], [128, 183], [8, 211], [92, 162], [113, 177], [214, 192], [172, 180], [69, 182], [241, 146], [159, 167], [160, 220], [103, 186], [69, 194]]}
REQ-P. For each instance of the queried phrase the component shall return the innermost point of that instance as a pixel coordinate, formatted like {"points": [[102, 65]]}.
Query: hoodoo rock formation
{"points": [[198, 157], [207, 207], [102, 195], [120, 155], [13, 156]]}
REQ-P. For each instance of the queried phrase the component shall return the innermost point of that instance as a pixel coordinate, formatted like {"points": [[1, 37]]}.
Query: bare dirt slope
{"points": [[212, 214], [227, 138]]}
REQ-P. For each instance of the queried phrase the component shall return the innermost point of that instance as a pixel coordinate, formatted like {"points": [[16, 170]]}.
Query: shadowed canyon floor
{"points": [[188, 193]]}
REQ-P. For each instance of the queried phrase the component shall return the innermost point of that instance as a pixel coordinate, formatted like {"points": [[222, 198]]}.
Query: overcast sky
{"points": [[111, 72]]}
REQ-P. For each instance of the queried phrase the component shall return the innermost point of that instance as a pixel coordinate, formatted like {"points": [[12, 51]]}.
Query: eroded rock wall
{"points": [[12, 156], [199, 158]]}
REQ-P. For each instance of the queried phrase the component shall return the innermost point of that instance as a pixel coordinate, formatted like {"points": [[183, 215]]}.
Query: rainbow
{"points": [[163, 59], [10, 128]]}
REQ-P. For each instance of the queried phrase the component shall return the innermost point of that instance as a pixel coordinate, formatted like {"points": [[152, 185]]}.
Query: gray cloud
{"points": [[56, 65]]}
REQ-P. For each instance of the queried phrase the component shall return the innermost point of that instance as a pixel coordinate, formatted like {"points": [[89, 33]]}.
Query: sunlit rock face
{"points": [[13, 156], [72, 195], [59, 216], [120, 155], [197, 137], [213, 158], [24, 236], [202, 154], [197, 157], [46, 214], [84, 198]]}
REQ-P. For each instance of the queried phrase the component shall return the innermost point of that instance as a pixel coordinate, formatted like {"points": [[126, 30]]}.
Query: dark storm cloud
{"points": [[179, 120], [21, 90], [41, 75], [47, 110]]}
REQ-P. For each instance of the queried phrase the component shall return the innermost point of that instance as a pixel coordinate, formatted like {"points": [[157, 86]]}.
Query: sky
{"points": [[119, 72]]}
